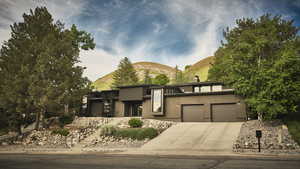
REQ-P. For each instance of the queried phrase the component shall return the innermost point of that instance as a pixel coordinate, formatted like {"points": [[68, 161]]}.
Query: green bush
{"points": [[293, 123], [65, 119], [135, 122], [108, 130], [137, 133], [3, 131], [63, 132]]}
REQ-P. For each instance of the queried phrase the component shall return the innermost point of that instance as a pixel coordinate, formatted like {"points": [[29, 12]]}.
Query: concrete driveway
{"points": [[200, 137]]}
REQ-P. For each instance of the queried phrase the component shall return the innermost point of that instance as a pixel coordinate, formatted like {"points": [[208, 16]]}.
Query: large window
{"points": [[157, 100], [216, 88], [205, 89]]}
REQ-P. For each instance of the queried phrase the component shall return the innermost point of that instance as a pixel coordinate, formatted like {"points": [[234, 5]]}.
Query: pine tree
{"points": [[147, 77], [38, 66], [125, 74], [179, 76]]}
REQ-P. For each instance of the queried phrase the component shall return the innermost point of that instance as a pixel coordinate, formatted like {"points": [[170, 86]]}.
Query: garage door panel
{"points": [[192, 113], [225, 113]]}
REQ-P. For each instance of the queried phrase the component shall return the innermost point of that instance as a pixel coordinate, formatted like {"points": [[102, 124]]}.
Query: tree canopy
{"points": [[125, 74], [260, 59], [161, 79], [38, 66]]}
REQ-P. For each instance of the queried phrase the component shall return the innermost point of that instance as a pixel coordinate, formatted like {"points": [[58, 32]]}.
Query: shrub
{"points": [[149, 133], [65, 119], [62, 132], [137, 133], [3, 131], [135, 122], [108, 130], [293, 123]]}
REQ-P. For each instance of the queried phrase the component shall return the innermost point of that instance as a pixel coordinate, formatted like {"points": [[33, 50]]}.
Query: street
{"points": [[105, 161]]}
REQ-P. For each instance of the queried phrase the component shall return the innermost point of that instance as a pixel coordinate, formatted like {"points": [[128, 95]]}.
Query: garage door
{"points": [[96, 109], [192, 113], [225, 113]]}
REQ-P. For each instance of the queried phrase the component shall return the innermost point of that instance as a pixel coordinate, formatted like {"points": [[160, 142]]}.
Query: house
{"points": [[191, 102]]}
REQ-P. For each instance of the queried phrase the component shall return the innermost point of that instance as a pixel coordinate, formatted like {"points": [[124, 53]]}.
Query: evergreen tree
{"points": [[147, 77], [161, 79], [38, 66], [125, 74], [179, 76], [260, 60]]}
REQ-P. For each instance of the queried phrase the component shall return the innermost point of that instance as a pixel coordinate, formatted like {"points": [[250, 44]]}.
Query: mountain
{"points": [[104, 82], [200, 68]]}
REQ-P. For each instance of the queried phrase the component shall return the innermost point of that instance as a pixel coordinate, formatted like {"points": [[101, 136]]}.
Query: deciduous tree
{"points": [[260, 59]]}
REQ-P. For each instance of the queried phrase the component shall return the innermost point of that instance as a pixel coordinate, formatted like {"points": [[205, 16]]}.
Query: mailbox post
{"points": [[258, 136]]}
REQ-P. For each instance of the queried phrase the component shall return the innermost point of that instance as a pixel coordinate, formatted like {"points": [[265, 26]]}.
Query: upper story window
{"points": [[196, 89], [205, 89], [216, 88]]}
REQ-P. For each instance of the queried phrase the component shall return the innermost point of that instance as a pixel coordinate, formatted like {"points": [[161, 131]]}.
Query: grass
{"points": [[293, 124], [200, 68], [62, 132]]}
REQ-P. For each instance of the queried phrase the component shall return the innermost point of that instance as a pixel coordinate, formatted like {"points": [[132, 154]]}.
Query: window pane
{"points": [[217, 88], [156, 100], [196, 89], [205, 88]]}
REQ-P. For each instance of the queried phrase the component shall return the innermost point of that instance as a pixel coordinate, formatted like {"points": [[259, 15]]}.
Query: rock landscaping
{"points": [[275, 138], [117, 142], [84, 132]]}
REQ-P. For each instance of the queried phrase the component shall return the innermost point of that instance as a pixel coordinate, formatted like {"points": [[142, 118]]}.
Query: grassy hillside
{"points": [[104, 82], [200, 68]]}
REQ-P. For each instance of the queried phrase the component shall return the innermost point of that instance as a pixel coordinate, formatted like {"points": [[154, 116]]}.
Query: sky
{"points": [[171, 32]]}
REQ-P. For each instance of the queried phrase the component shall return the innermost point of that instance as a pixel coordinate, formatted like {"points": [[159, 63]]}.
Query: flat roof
{"points": [[190, 84], [133, 86]]}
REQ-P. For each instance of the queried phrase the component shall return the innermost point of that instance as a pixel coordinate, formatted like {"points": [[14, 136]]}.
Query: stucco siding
{"points": [[173, 106]]}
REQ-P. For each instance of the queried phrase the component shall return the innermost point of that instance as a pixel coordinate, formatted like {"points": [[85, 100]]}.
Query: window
{"points": [[157, 100], [196, 89], [205, 88], [217, 88]]}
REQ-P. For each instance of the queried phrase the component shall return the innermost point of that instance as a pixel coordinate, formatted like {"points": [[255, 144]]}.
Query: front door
{"points": [[133, 109]]}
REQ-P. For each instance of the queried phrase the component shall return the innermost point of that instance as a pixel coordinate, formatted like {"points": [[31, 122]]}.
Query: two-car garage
{"points": [[220, 112]]}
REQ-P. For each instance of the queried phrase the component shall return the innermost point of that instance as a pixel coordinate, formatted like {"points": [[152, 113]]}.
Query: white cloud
{"points": [[98, 63], [202, 20], [12, 11]]}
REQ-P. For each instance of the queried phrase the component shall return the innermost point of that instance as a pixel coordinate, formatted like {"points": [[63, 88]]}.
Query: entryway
{"points": [[133, 108]]}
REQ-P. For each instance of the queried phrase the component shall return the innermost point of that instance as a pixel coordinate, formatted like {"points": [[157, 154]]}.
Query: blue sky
{"points": [[172, 32]]}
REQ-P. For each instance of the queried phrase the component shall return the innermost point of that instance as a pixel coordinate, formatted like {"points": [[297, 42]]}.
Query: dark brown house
{"points": [[192, 102]]}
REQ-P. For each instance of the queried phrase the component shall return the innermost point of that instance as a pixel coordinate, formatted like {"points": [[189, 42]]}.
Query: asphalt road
{"points": [[97, 161]]}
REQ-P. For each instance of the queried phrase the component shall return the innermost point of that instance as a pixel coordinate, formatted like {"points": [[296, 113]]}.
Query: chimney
{"points": [[196, 78]]}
